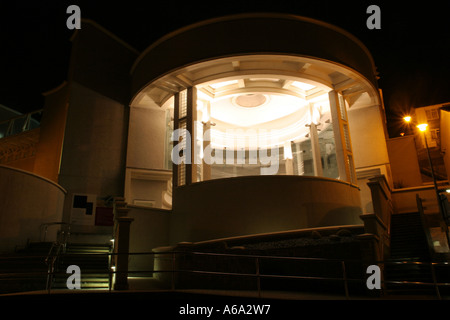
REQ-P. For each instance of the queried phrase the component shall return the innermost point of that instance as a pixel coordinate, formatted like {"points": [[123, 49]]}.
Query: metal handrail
{"points": [[65, 233], [257, 274]]}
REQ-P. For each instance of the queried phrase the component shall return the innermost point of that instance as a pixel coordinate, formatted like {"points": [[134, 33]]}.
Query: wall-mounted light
{"points": [[422, 127]]}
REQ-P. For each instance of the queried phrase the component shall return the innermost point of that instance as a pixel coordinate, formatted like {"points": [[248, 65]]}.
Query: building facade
{"points": [[221, 129]]}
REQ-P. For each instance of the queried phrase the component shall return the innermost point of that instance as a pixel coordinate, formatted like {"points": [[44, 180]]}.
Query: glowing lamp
{"points": [[407, 119], [422, 127]]}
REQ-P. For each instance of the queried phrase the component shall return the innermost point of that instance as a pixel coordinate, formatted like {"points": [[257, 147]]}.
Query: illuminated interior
{"points": [[262, 122]]}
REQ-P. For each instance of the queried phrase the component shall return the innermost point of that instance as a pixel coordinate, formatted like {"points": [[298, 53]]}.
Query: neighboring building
{"points": [[277, 134]]}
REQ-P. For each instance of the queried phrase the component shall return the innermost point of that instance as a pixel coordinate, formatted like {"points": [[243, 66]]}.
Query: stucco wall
{"points": [[445, 138], [150, 229], [367, 136], [260, 204], [146, 138], [404, 162], [26, 202]]}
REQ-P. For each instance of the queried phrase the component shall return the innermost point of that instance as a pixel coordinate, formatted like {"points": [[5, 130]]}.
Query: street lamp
{"points": [[423, 128]]}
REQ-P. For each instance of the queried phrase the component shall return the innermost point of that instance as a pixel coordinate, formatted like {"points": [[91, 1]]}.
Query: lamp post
{"points": [[423, 128]]}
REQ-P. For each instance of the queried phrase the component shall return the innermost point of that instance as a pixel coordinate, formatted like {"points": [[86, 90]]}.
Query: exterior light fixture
{"points": [[407, 118], [422, 127]]}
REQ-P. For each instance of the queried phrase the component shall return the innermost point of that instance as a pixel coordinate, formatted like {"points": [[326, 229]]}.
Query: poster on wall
{"points": [[83, 209]]}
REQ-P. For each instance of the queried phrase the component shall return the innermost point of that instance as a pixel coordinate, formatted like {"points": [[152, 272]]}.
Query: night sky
{"points": [[411, 50]]}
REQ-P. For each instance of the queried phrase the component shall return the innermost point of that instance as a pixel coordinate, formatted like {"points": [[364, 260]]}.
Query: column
{"points": [[121, 243], [206, 121], [191, 118], [344, 154], [288, 158], [317, 159], [185, 115]]}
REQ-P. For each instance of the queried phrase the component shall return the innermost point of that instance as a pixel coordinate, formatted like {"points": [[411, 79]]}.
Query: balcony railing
{"points": [[19, 124]]}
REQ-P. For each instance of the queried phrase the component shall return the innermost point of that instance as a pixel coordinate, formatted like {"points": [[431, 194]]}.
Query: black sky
{"points": [[411, 51]]}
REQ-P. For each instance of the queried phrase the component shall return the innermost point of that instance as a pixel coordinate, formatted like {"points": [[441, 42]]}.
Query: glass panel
{"points": [[168, 140], [303, 158], [342, 107], [182, 146], [3, 129], [183, 104], [347, 137], [328, 153], [351, 169]]}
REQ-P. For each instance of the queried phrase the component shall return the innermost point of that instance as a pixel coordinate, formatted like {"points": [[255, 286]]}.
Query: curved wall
{"points": [[259, 204], [26, 202], [250, 34]]}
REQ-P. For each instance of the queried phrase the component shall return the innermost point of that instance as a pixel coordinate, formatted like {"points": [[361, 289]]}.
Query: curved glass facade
{"points": [[252, 133]]}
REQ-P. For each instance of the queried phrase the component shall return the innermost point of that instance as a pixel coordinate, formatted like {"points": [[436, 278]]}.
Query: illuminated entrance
{"points": [[244, 132], [257, 124]]}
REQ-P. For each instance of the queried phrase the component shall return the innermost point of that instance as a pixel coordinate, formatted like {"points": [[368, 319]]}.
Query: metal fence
{"points": [[176, 271]]}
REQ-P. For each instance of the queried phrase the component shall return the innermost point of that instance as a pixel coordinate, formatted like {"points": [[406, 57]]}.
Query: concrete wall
{"points": [[259, 204], [445, 138], [49, 149], [146, 138], [93, 158], [95, 139], [149, 230], [27, 201], [404, 200], [368, 138], [404, 162], [146, 176]]}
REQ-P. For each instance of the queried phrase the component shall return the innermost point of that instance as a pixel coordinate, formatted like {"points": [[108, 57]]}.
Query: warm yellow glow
{"points": [[288, 150], [422, 127], [407, 119], [302, 85]]}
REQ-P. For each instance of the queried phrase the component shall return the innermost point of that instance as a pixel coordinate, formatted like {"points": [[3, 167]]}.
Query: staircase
{"points": [[93, 261], [408, 243], [24, 270]]}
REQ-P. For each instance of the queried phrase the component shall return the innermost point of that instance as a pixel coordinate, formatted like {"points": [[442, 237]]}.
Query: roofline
{"points": [[107, 32], [249, 16]]}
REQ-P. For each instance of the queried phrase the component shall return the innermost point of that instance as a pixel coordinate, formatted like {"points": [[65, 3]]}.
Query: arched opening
{"points": [[254, 125]]}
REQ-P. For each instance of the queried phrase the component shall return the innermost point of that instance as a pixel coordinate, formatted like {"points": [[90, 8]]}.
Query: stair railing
{"points": [[50, 260], [425, 228], [63, 236]]}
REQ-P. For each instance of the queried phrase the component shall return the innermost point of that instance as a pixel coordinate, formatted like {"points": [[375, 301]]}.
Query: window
{"points": [[432, 114]]}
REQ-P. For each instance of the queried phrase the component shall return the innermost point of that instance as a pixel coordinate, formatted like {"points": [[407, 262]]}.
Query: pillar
{"points": [[185, 116], [121, 244], [317, 158], [206, 168], [344, 153]]}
